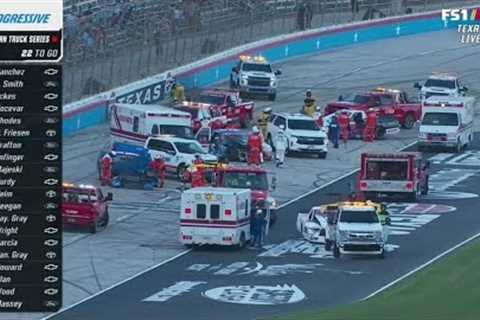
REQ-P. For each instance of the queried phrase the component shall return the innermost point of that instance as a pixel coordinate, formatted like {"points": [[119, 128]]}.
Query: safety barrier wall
{"points": [[92, 111]]}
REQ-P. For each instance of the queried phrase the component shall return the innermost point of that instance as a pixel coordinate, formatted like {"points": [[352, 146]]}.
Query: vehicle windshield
{"points": [[303, 125], [357, 98], [78, 196], [257, 67], [215, 100], [241, 139], [449, 84], [387, 170], [248, 180], [352, 216], [189, 147], [177, 131], [440, 119]]}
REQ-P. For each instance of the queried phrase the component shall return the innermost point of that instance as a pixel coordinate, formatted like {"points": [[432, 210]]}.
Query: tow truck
{"points": [[384, 101], [85, 205], [229, 104], [386, 174], [355, 228], [254, 75]]}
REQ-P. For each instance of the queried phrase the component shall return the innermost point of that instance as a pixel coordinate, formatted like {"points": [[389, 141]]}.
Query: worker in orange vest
{"points": [[344, 122], [254, 147], [158, 166], [106, 172], [371, 126]]}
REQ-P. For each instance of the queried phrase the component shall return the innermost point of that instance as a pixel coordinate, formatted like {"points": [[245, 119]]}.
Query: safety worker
{"points": [[371, 126], [106, 174], [344, 122], [334, 131], [263, 121], [255, 147], [309, 106], [258, 224], [158, 166], [198, 176], [281, 143]]}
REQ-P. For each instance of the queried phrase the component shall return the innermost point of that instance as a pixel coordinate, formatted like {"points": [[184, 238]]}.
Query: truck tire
{"points": [[380, 132], [382, 255], [412, 197], [328, 245], [409, 121], [106, 219], [336, 251], [94, 227], [322, 155], [242, 241], [272, 97], [425, 188]]}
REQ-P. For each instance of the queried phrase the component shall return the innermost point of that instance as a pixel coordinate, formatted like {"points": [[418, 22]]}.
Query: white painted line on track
{"points": [[122, 218], [118, 284], [423, 266]]}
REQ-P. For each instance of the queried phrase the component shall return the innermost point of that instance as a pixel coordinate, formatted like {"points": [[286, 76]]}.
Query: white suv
{"points": [[178, 153], [255, 75], [302, 133], [441, 85]]}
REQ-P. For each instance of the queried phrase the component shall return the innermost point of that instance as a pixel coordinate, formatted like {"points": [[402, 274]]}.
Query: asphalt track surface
{"points": [[324, 281]]}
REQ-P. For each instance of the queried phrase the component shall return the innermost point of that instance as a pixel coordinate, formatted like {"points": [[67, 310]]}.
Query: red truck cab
{"points": [[403, 173], [246, 177], [384, 101], [203, 115], [241, 112], [85, 206]]}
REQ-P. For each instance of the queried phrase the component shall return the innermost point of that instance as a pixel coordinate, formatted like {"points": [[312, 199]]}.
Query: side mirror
{"points": [[417, 85], [278, 72], [109, 197]]}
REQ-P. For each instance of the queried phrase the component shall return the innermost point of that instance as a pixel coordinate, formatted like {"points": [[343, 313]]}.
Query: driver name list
{"points": [[30, 187]]}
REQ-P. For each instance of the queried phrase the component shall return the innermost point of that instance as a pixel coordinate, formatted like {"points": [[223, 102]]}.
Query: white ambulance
{"points": [[215, 216], [134, 123], [447, 122]]}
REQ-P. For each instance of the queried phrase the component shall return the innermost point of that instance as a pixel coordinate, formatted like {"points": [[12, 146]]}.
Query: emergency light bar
{"points": [[400, 155], [167, 115], [260, 59]]}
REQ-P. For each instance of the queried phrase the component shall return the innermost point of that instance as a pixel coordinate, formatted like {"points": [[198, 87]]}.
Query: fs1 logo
{"points": [[461, 14]]}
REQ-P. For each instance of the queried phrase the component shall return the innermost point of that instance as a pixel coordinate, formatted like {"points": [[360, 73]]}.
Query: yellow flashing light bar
{"points": [[258, 59]]}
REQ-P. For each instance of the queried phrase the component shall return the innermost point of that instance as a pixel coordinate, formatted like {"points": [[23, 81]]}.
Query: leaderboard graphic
{"points": [[30, 155]]}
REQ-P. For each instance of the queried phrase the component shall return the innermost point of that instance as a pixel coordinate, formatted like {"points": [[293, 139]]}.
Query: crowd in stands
{"points": [[92, 26]]}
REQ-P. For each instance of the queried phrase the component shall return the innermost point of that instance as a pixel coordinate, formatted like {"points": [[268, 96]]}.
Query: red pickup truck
{"points": [[222, 98], [85, 206], [384, 101]]}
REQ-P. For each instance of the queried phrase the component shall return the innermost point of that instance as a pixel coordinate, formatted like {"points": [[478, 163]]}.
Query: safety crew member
{"points": [[254, 147], [281, 143], [158, 166], [263, 121], [334, 131], [178, 92], [309, 106], [106, 174], [371, 126], [344, 122]]}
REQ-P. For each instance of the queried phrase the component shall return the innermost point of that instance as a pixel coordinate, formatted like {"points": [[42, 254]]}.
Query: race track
{"points": [[144, 224]]}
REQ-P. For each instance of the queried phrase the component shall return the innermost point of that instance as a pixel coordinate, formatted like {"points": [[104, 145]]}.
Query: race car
{"points": [[386, 124], [313, 225], [231, 144]]}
